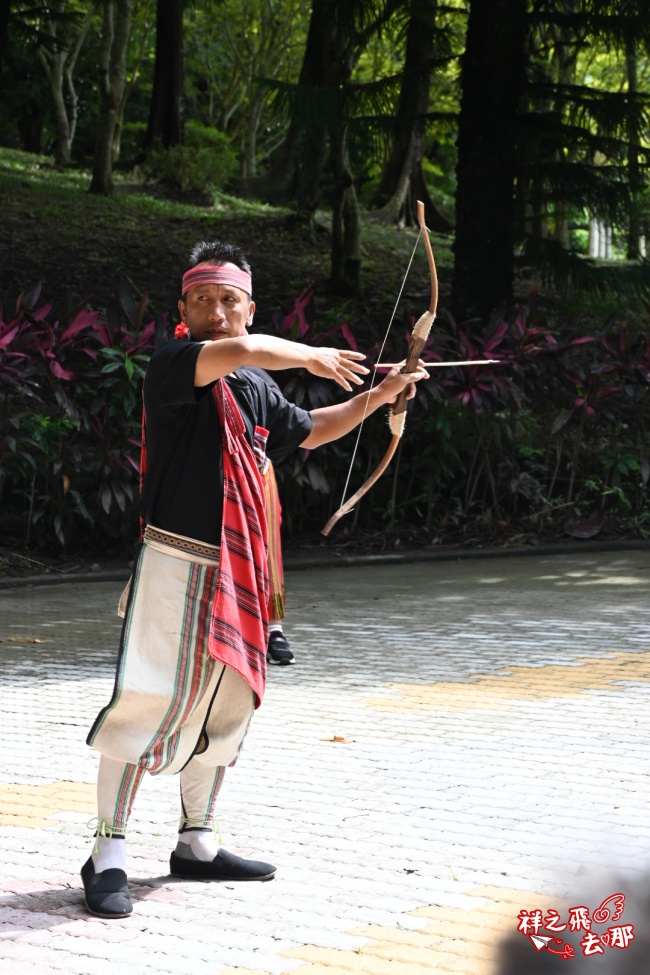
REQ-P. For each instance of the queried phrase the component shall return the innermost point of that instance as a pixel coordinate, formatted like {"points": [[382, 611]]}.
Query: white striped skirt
{"points": [[172, 701]]}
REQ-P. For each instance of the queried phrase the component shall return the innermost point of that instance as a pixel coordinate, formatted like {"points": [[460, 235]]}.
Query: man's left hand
{"points": [[396, 381]]}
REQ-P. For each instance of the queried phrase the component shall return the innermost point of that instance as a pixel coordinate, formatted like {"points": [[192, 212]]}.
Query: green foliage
{"points": [[25, 113], [48, 186], [199, 136], [552, 438], [570, 272], [583, 113], [70, 420], [206, 162], [132, 139], [226, 55]]}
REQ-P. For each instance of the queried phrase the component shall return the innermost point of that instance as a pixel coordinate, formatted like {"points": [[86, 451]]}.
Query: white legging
{"points": [[118, 783]]}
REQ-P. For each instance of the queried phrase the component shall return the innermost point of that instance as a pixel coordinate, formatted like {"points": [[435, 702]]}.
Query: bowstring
{"points": [[379, 358]]}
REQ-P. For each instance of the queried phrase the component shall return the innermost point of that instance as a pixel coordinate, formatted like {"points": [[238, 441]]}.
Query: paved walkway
{"points": [[458, 742]]}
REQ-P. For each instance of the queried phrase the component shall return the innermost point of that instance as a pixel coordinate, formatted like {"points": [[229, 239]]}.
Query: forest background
{"points": [[306, 133]]}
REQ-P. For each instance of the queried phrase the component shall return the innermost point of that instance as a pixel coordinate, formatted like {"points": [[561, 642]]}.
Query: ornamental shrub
{"points": [[550, 439], [70, 420], [205, 162]]}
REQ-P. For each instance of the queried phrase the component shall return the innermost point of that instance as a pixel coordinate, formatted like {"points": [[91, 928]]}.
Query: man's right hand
{"points": [[342, 365]]}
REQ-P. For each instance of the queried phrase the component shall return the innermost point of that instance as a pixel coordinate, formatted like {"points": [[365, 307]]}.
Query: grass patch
{"points": [[79, 245], [67, 184]]}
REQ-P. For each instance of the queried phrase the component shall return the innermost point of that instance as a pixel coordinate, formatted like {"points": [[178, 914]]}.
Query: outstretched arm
{"points": [[217, 359], [332, 422]]}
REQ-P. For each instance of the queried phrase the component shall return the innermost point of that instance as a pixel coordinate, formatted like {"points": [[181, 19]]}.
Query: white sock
{"points": [[275, 627], [111, 852], [197, 844]]}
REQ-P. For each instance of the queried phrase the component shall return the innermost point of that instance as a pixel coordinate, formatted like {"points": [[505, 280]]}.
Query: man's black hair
{"points": [[217, 252]]}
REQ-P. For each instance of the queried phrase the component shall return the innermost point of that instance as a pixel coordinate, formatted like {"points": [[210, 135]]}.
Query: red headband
{"points": [[217, 274]]}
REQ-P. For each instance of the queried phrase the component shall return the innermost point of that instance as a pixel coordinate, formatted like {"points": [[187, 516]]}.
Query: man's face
{"points": [[216, 311]]}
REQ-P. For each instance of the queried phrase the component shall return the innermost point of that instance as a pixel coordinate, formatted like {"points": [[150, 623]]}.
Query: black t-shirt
{"points": [[183, 489]]}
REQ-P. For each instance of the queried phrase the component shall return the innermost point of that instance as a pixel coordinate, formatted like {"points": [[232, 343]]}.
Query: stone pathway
{"points": [[458, 741]]}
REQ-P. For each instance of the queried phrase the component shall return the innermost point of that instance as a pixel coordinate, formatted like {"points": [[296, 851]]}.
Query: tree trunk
{"points": [[116, 142], [634, 180], [402, 181], [130, 86], [593, 246], [112, 75], [346, 221], [565, 55], [606, 237], [492, 81], [65, 116], [167, 113], [411, 186], [561, 227], [65, 108], [5, 15], [334, 44], [30, 127], [326, 68], [59, 62], [538, 230], [248, 154], [338, 31]]}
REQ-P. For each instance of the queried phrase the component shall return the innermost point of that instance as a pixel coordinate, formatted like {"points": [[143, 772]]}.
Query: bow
{"points": [[397, 414]]}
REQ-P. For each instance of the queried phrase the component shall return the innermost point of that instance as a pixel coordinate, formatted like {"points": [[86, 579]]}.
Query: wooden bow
{"points": [[397, 414]]}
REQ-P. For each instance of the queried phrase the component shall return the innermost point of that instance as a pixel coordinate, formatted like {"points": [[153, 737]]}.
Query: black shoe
{"points": [[278, 651], [225, 866], [107, 893]]}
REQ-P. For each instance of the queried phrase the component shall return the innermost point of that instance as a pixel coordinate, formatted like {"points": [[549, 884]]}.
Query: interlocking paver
{"points": [[495, 725]]}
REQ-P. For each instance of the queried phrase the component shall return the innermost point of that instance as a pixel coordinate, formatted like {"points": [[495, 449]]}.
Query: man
{"points": [[278, 650], [191, 665]]}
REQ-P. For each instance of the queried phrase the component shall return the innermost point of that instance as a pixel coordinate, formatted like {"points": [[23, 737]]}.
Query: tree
{"points": [[138, 51], [346, 223], [318, 108], [226, 56], [5, 20], [116, 28], [492, 80], [566, 142], [26, 96], [582, 157], [338, 32], [402, 181], [566, 145], [167, 112], [634, 138], [67, 32]]}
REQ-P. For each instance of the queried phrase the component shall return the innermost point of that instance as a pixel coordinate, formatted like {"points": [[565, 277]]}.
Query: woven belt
{"points": [[189, 546]]}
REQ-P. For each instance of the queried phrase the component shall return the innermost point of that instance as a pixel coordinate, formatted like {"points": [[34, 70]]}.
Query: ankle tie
{"points": [[102, 829], [186, 824]]}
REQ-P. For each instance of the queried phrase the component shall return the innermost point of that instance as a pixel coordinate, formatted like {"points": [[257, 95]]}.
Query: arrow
{"points": [[440, 365]]}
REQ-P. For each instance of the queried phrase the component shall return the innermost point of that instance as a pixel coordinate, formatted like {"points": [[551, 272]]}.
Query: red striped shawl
{"points": [[239, 618], [238, 627]]}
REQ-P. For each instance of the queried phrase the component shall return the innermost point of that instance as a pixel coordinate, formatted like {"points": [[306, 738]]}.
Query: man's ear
{"points": [[251, 312], [181, 309]]}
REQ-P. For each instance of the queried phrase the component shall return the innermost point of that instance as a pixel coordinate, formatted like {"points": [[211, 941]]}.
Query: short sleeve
{"points": [[170, 376], [288, 426]]}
